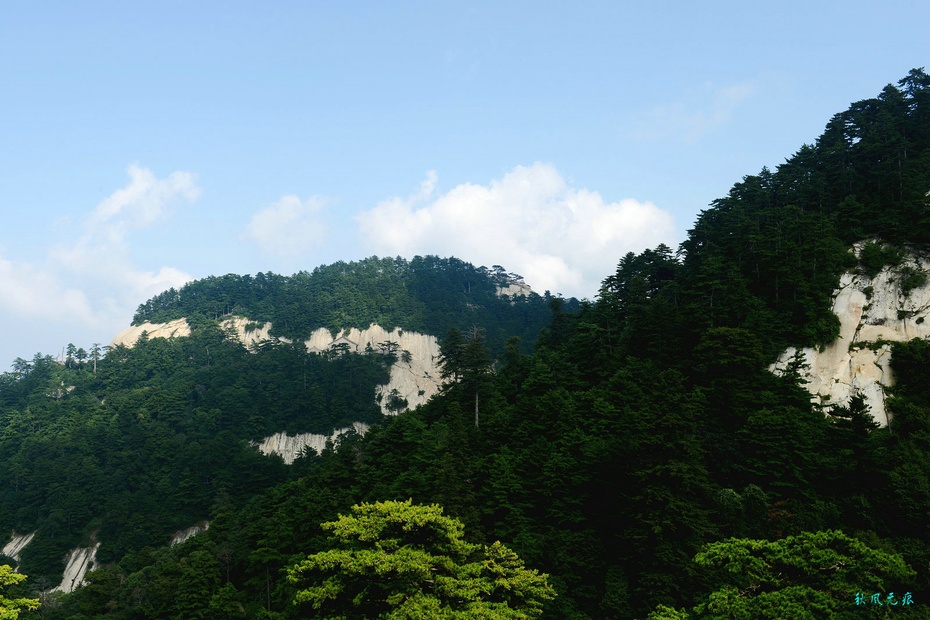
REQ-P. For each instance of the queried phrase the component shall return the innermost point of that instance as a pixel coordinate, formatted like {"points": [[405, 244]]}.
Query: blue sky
{"points": [[145, 144]]}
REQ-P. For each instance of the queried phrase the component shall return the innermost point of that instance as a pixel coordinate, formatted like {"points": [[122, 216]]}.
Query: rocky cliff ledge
{"points": [[130, 335], [414, 376], [17, 542], [81, 560], [289, 447], [874, 312], [183, 535], [78, 563]]}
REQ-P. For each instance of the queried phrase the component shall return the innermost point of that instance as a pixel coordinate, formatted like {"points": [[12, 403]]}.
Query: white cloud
{"points": [[100, 258], [91, 282], [701, 115], [143, 202], [531, 221], [289, 227], [31, 291]]}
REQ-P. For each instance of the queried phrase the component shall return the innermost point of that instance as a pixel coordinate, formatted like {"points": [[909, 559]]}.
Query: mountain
{"points": [[428, 295], [678, 447], [116, 451]]}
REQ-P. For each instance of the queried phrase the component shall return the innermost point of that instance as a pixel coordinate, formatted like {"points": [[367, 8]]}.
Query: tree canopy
{"points": [[815, 575], [402, 560], [11, 607], [427, 294], [619, 438]]}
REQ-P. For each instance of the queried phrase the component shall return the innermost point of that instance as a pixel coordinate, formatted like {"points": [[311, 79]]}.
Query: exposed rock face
{"points": [[80, 560], [514, 288], [130, 335], [250, 333], [872, 312], [17, 542], [182, 535], [415, 375], [289, 447], [83, 559]]}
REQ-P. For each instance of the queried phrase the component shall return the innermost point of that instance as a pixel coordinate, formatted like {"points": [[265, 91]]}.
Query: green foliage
{"points": [[11, 607], [465, 365], [758, 262], [906, 501], [147, 445], [427, 294], [811, 575], [638, 431], [875, 256], [911, 278], [401, 560], [781, 238], [664, 612]]}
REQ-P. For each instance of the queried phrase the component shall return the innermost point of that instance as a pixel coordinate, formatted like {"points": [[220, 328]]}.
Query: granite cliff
{"points": [[414, 376], [874, 310]]}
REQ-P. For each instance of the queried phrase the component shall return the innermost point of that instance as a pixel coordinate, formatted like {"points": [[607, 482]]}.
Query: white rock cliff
{"points": [[79, 561], [182, 535], [130, 335], [414, 376], [873, 313], [17, 542], [289, 447]]}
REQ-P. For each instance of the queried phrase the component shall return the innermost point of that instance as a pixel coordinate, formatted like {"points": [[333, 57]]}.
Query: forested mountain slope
{"points": [[426, 294], [126, 446], [642, 454]]}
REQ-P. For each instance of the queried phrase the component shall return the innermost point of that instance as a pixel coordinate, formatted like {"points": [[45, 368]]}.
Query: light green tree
{"points": [[815, 575], [401, 560], [10, 607]]}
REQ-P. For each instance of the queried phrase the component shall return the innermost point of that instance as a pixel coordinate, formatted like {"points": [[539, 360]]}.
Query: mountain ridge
{"points": [[640, 435]]}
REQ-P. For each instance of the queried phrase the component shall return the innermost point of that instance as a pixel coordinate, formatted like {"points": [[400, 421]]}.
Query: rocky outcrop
{"points": [[414, 378], [182, 535], [17, 542], [249, 333], [514, 288], [289, 447], [79, 561], [415, 374], [873, 312], [130, 335]]}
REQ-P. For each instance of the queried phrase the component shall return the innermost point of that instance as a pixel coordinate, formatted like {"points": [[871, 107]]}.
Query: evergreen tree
{"points": [[812, 575], [400, 560]]}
